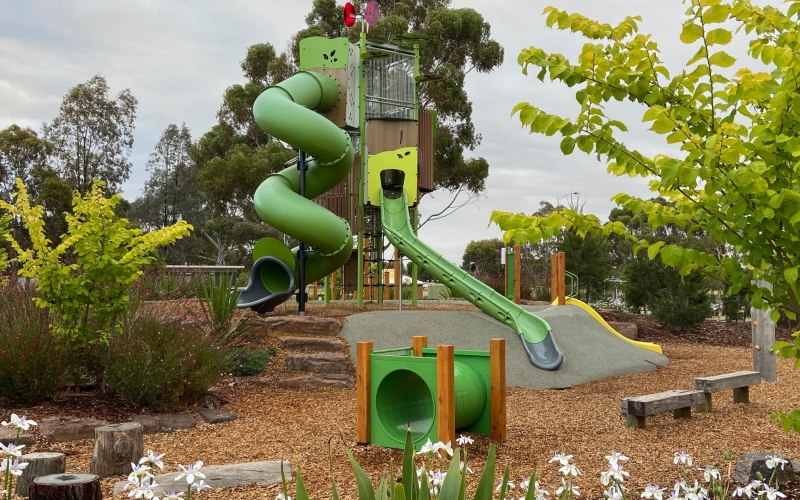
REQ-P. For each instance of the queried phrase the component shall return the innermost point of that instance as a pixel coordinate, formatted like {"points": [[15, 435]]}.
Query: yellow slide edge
{"points": [[644, 345]]}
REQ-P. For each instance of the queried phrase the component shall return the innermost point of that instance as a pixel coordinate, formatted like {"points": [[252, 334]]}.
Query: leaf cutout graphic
{"points": [[325, 56], [408, 153], [333, 53], [399, 156]]}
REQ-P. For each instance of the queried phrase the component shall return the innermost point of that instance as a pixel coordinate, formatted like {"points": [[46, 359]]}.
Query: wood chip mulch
{"points": [[585, 421]]}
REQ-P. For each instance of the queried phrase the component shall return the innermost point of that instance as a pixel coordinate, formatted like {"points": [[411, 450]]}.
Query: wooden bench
{"points": [[740, 382], [679, 401]]}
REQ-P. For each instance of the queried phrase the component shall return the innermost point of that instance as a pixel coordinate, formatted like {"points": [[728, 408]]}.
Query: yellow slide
{"points": [[644, 345]]}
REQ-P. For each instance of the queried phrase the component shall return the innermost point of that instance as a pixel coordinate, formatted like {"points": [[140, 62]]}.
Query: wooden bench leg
{"points": [[706, 408], [682, 412], [635, 421], [741, 394]]}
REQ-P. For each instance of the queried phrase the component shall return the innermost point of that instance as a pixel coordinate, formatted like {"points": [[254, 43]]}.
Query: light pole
{"points": [[562, 197]]}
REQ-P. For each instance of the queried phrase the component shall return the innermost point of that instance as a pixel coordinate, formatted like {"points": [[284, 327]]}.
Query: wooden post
{"points": [[363, 389], [417, 343], [517, 274], [386, 287], [497, 388], [66, 487], [334, 295], [115, 447], [553, 277], [562, 279], [445, 382], [316, 294], [763, 340], [505, 272], [39, 464]]}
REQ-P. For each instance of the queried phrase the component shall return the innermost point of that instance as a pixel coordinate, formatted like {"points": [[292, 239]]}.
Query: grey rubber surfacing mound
{"points": [[590, 351]]}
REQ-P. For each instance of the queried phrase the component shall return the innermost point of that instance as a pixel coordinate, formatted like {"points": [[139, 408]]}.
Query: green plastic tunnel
{"points": [[406, 397]]}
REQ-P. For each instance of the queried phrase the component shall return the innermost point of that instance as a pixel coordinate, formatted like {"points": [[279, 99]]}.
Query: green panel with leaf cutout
{"points": [[321, 52]]}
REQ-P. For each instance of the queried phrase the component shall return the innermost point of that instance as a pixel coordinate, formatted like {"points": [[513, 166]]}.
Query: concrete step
{"points": [[312, 344], [316, 380], [319, 363]]}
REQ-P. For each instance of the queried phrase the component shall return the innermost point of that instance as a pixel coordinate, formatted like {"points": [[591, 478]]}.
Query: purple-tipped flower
{"points": [[18, 422], [154, 459], [191, 472]]}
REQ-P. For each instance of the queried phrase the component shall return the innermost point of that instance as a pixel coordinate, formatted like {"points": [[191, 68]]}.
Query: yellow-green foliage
{"points": [[731, 134], [84, 281]]}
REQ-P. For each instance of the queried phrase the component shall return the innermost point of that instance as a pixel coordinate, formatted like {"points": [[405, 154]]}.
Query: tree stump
{"points": [[66, 487], [39, 464], [115, 447]]}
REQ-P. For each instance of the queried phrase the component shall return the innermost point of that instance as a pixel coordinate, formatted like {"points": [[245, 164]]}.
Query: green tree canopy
{"points": [[92, 136], [736, 177]]}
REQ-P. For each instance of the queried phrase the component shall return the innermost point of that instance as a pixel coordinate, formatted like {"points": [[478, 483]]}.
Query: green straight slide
{"points": [[535, 333], [287, 111]]}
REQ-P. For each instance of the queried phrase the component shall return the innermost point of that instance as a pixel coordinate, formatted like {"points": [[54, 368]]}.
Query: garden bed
{"points": [[584, 421]]}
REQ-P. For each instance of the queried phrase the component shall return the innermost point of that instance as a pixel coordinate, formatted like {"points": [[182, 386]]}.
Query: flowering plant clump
{"points": [[11, 453], [141, 482]]}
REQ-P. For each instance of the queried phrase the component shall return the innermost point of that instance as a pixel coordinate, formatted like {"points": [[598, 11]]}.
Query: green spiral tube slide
{"points": [[288, 111], [535, 333]]}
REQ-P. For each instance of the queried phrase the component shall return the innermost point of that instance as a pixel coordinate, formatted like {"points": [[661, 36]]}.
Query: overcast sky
{"points": [[177, 57]]}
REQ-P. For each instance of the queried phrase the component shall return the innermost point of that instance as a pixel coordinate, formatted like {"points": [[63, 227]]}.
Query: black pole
{"points": [[301, 254]]}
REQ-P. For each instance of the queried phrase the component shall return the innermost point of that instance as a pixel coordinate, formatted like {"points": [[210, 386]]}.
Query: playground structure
{"points": [[365, 155], [432, 392]]}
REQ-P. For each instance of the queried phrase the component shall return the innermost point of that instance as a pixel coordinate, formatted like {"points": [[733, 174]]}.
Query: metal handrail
{"points": [[573, 284]]}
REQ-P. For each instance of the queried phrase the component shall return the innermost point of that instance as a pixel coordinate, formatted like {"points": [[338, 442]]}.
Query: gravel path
{"points": [[590, 351]]}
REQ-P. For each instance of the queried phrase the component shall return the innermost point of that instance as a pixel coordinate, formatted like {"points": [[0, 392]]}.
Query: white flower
{"points": [[605, 477], [173, 496], [569, 470], [427, 448], [442, 446], [755, 484], [464, 466], [617, 472], [772, 493], [11, 449], [709, 473], [696, 492], [282, 497], [613, 494], [743, 491], [567, 486], [14, 468], [143, 490], [539, 493], [510, 486], [139, 472], [464, 440], [774, 461], [19, 422], [653, 491], [683, 458], [616, 457], [201, 485], [154, 459], [561, 458], [191, 472]]}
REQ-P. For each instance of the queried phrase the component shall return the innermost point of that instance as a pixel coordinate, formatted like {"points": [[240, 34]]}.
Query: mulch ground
{"points": [[585, 421]]}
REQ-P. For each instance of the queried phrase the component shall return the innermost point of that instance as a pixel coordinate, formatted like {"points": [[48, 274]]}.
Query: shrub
{"points": [[218, 299], [244, 361], [32, 365], [158, 284], [162, 363]]}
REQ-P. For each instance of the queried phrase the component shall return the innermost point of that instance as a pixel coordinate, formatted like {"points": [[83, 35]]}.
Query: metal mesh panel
{"points": [[390, 86]]}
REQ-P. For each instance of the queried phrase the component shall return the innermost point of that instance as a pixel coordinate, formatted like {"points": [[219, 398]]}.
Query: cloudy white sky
{"points": [[177, 57]]}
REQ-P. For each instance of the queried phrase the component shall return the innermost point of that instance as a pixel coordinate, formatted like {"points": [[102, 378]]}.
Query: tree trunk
{"points": [[66, 487], [39, 464], [115, 447]]}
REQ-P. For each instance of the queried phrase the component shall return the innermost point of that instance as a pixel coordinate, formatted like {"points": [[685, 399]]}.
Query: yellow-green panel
{"points": [[404, 159], [321, 52]]}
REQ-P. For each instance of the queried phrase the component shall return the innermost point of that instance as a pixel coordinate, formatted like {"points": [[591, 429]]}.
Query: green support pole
{"points": [[362, 139], [414, 268]]}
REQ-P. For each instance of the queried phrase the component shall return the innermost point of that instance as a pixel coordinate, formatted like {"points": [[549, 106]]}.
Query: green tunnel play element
{"points": [[287, 111], [535, 333], [404, 392]]}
